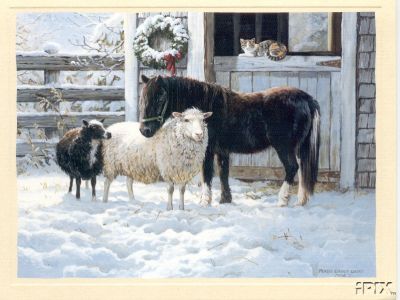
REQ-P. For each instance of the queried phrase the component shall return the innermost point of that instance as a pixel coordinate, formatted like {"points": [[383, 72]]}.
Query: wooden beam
{"points": [[348, 108], [209, 47], [131, 69], [196, 51], [63, 62], [290, 63], [108, 93], [72, 119], [264, 173], [35, 148]]}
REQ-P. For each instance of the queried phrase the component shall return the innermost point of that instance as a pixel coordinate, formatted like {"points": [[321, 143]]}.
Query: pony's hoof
{"points": [[169, 207], [225, 198], [181, 207], [301, 203], [94, 199]]}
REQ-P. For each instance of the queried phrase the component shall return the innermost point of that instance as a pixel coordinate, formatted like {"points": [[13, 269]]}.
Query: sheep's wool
{"points": [[129, 153], [179, 157], [169, 155]]}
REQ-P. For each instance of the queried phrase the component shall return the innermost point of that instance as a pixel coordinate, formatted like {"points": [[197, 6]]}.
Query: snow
{"points": [[61, 237], [51, 47]]}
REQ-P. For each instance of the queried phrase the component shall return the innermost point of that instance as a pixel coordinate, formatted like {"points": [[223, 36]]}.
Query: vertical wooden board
{"points": [[260, 159], [241, 160], [223, 78], [308, 82], [293, 79], [241, 82], [278, 79], [335, 121], [261, 81], [324, 99], [274, 160]]}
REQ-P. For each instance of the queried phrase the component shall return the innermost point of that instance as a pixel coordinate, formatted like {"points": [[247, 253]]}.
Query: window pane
{"points": [[309, 32]]}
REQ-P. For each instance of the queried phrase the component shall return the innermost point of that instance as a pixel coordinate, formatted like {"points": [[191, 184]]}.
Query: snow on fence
{"points": [[52, 65]]}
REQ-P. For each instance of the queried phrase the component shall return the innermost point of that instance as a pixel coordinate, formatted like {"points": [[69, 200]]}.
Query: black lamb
{"points": [[79, 154]]}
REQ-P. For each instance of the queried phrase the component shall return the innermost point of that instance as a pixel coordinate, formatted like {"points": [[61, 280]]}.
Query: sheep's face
{"points": [[95, 130], [191, 123]]}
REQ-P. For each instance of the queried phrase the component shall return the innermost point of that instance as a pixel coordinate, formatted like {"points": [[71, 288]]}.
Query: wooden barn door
{"points": [[309, 73]]}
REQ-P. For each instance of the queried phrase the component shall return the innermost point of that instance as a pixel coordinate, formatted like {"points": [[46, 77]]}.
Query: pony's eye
{"points": [[186, 120]]}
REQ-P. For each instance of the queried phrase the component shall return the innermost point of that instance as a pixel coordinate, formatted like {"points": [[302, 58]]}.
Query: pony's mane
{"points": [[187, 92]]}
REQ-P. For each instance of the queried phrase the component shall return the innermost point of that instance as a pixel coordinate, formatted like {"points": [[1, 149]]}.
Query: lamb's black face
{"points": [[153, 99], [95, 130]]}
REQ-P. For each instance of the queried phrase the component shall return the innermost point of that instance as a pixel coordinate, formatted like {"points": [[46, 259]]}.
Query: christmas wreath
{"points": [[171, 29]]}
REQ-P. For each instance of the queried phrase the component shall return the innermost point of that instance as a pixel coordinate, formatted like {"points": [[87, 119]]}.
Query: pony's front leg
{"points": [[223, 168], [207, 175]]}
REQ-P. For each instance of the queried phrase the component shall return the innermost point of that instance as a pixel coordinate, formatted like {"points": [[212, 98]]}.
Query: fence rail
{"points": [[52, 65], [34, 93]]}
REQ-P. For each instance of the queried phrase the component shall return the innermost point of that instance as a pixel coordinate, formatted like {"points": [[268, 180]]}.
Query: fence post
{"points": [[52, 78], [131, 69]]}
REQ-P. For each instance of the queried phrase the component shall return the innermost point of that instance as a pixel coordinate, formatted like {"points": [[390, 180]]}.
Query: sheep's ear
{"points": [[102, 120], [145, 79], [177, 114], [85, 123], [207, 114]]}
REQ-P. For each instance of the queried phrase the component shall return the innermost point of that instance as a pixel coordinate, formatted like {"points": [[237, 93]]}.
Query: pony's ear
{"points": [[207, 114], [145, 79], [177, 114], [85, 123], [160, 82], [241, 40], [253, 40], [102, 120]]}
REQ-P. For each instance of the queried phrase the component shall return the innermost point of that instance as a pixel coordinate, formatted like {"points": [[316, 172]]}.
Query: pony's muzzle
{"points": [[146, 131]]}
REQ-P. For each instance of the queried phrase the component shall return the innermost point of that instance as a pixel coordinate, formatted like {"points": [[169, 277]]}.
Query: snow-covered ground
{"points": [[61, 237]]}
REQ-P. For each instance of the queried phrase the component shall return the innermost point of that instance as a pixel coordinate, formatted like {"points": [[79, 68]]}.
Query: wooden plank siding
{"points": [[321, 83]]}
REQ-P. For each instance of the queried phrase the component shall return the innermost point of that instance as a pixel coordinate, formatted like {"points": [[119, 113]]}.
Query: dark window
{"points": [[230, 27]]}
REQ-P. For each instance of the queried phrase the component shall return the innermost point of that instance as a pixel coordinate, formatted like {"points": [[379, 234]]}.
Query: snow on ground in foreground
{"points": [[61, 237]]}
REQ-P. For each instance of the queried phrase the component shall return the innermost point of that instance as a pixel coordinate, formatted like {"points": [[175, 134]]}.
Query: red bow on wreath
{"points": [[171, 60]]}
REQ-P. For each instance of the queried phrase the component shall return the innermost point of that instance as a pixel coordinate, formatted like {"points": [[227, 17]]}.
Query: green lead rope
{"points": [[158, 118]]}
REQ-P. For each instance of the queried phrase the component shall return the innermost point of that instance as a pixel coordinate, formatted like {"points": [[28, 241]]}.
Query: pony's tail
{"points": [[309, 151]]}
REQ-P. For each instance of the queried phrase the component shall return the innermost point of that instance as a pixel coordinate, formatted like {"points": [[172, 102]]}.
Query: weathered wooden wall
{"points": [[365, 81], [322, 82]]}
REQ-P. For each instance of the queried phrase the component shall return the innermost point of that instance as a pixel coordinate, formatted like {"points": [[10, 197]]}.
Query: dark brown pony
{"points": [[284, 118]]}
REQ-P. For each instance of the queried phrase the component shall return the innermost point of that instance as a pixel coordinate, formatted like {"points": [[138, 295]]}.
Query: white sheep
{"points": [[174, 154]]}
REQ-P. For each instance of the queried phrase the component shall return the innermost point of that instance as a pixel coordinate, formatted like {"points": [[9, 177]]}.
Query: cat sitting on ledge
{"points": [[274, 50]]}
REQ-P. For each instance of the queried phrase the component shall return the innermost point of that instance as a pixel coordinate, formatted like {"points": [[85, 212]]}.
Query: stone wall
{"points": [[365, 142]]}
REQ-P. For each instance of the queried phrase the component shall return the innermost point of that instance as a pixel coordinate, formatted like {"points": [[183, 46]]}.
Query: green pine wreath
{"points": [[168, 27]]}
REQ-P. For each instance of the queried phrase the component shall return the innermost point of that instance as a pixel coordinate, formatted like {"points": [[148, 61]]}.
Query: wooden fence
{"points": [[52, 65]]}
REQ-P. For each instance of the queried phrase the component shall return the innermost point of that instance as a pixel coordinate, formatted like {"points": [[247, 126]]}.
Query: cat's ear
{"points": [[241, 40], [253, 40]]}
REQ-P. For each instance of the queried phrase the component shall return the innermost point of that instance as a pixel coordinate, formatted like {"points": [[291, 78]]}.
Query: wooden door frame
{"points": [[200, 66]]}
